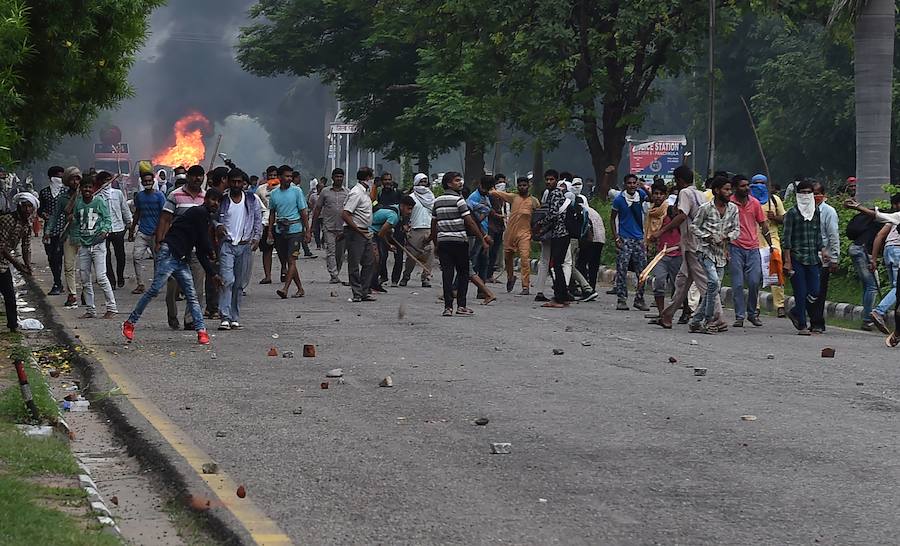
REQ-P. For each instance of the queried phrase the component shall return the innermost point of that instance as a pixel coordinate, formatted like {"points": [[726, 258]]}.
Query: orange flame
{"points": [[188, 149]]}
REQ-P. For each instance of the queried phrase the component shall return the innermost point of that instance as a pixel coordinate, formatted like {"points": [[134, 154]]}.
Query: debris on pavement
{"points": [[401, 420], [336, 372], [586, 343], [558, 352], [287, 354], [298, 411], [324, 385], [210, 468], [827, 352], [542, 500], [334, 294], [748, 418], [221, 434], [699, 371], [859, 383], [693, 342], [273, 352], [569, 328], [481, 421], [54, 373], [241, 492], [401, 312], [309, 351], [770, 357], [115, 500], [199, 504], [501, 448], [274, 336], [673, 360], [386, 382]]}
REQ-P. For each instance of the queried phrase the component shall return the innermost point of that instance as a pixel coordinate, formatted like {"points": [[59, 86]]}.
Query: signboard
{"points": [[343, 128], [332, 151], [656, 156]]}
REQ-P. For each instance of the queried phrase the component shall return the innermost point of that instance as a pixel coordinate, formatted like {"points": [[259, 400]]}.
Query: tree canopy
{"points": [[61, 63]]}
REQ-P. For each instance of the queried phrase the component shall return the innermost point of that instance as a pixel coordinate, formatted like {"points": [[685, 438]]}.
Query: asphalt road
{"points": [[611, 443]]}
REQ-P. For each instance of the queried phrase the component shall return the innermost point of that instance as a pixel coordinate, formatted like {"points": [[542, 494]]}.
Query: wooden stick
{"points": [[408, 253], [212, 160], [642, 278], [758, 145]]}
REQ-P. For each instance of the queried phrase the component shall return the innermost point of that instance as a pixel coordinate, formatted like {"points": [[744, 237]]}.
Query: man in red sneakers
{"points": [[188, 231]]}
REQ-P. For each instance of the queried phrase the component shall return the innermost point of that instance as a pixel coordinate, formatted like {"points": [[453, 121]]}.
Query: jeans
{"points": [[633, 253], [805, 281], [576, 278], [384, 253], [692, 275], [558, 248], [478, 257], [54, 250], [588, 261], [664, 274], [544, 266], [454, 258], [496, 250], [706, 311], [95, 257], [861, 263], [746, 272], [891, 262], [816, 309], [233, 260], [334, 253], [166, 266], [173, 287], [115, 242], [360, 262], [9, 299], [143, 248]]}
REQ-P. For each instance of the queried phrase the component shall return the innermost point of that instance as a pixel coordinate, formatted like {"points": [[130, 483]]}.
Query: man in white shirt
{"points": [[357, 216], [120, 214], [418, 242]]}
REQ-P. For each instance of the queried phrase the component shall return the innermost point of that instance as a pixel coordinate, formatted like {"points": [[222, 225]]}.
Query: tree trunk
{"points": [[424, 163], [873, 67], [473, 163], [537, 182]]}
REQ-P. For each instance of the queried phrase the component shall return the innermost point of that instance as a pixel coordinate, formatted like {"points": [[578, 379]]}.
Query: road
{"points": [[611, 443]]}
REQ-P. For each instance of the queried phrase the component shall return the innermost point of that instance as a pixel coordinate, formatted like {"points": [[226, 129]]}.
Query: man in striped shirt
{"points": [[179, 201], [451, 216]]}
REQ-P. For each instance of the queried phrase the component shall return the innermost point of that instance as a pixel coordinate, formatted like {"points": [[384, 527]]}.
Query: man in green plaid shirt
{"points": [[801, 243]]}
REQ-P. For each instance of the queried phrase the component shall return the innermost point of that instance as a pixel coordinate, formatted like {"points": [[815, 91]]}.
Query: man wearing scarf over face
{"points": [[802, 243], [15, 228], [53, 241], [418, 241]]}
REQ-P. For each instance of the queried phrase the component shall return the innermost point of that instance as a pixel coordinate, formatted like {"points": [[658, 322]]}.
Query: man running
{"points": [[188, 232]]}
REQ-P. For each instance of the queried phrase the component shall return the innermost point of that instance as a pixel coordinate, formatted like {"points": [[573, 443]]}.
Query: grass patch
{"points": [[192, 527], [12, 406], [23, 521], [25, 456]]}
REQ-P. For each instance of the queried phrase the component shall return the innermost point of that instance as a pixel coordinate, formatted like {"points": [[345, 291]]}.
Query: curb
{"points": [[140, 439]]}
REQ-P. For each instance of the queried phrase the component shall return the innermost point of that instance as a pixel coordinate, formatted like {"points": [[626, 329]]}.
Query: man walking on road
{"points": [[831, 253], [179, 201], [15, 231], [238, 229], [262, 192], [120, 216], [53, 240], [802, 243], [148, 206], [627, 223], [297, 179], [716, 225], [189, 231], [357, 216], [418, 241], [329, 206], [61, 222], [92, 225], [289, 218], [517, 237], [744, 259]]}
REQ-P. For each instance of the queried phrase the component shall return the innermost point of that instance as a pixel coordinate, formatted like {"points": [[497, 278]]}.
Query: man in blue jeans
{"points": [[715, 226], [745, 262], [831, 254], [887, 239], [238, 230], [188, 232], [802, 243], [863, 229]]}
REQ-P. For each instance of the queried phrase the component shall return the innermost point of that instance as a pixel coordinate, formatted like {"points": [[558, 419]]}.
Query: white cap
{"points": [[421, 177]]}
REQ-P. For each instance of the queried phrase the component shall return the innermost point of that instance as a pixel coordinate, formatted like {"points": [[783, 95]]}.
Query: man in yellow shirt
{"points": [[774, 209]]}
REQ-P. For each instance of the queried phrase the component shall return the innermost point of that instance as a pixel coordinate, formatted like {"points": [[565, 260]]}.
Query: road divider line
{"points": [[262, 530]]}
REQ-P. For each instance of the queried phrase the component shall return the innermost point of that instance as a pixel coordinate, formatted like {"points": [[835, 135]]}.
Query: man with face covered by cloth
{"points": [[15, 229]]}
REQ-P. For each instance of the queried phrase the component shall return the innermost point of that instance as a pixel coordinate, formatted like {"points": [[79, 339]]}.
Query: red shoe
{"points": [[128, 330], [202, 337]]}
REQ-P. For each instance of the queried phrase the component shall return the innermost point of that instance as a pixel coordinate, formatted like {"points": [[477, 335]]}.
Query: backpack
{"points": [[540, 228], [576, 220], [857, 226]]}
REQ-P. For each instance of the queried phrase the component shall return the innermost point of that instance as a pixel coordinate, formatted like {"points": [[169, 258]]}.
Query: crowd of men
{"points": [[195, 236]]}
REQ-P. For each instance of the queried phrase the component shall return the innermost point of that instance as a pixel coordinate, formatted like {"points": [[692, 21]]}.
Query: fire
{"points": [[188, 149]]}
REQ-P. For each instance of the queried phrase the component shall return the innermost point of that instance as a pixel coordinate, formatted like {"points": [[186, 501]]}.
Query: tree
{"points": [[62, 63], [873, 63], [366, 52]]}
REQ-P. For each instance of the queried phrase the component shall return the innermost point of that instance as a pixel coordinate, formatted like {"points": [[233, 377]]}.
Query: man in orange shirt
{"points": [[517, 238]]}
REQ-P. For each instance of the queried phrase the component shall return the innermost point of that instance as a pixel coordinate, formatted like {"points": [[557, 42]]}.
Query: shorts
{"points": [[264, 242], [288, 245]]}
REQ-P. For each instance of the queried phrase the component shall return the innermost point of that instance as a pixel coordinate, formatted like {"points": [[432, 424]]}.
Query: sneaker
{"points": [[698, 328], [379, 289], [236, 326], [403, 282], [464, 312], [334, 280], [174, 324], [448, 312], [110, 315], [139, 289], [540, 297], [621, 305], [510, 283], [394, 284], [369, 297], [225, 325], [202, 337], [684, 318], [71, 303], [804, 333], [878, 321], [310, 255], [739, 323], [525, 292], [781, 313], [611, 292], [55, 291], [866, 327], [128, 330], [754, 320], [356, 299], [640, 305], [892, 341], [590, 297], [795, 321]]}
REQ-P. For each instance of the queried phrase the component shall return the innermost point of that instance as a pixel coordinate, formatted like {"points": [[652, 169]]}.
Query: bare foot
{"points": [[281, 294], [488, 299], [554, 305]]}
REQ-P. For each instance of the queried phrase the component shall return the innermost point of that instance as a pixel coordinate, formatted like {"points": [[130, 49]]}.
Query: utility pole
{"points": [[711, 129]]}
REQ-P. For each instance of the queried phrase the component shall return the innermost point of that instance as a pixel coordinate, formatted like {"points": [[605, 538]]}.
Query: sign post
{"points": [[656, 156]]}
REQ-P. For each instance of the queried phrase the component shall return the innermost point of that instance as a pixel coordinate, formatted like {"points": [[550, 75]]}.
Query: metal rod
{"points": [[212, 160]]}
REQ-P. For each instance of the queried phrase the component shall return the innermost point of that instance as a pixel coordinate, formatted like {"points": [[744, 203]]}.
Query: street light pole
{"points": [[711, 128]]}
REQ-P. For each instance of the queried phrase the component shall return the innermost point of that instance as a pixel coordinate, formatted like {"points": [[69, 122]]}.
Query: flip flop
{"points": [[281, 294]]}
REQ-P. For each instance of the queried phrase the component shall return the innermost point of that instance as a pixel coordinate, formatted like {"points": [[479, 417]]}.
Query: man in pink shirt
{"points": [[745, 263]]}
